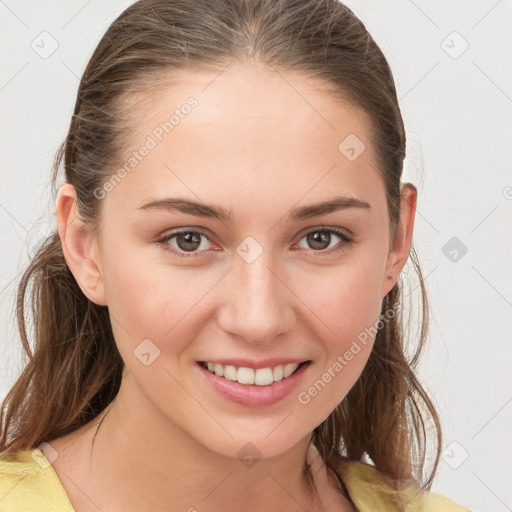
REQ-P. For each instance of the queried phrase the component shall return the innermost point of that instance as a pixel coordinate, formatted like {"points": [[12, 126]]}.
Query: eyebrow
{"points": [[216, 212]]}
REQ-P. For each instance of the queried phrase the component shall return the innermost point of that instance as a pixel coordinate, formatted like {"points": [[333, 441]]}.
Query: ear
{"points": [[399, 253], [79, 246]]}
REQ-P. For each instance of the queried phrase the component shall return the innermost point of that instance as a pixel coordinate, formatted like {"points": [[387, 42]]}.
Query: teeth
{"points": [[248, 376], [219, 370]]}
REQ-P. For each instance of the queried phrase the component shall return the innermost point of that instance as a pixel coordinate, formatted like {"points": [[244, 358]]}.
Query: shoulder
{"points": [[371, 490], [28, 483]]}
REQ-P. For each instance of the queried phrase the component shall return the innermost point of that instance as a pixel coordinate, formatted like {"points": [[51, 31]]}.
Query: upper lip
{"points": [[247, 363]]}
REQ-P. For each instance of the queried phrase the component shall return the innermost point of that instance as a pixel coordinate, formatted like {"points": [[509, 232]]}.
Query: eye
{"points": [[321, 238], [187, 241]]}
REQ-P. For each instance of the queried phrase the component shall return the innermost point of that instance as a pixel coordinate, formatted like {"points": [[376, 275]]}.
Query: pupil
{"points": [[188, 239], [319, 237]]}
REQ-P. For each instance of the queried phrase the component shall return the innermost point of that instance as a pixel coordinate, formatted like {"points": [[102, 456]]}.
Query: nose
{"points": [[258, 305]]}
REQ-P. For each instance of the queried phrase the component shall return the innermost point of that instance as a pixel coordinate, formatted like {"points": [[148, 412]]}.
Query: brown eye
{"points": [[184, 242], [319, 239], [323, 241], [188, 241]]}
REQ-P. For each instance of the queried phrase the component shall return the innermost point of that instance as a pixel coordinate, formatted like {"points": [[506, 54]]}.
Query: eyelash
{"points": [[347, 240]]}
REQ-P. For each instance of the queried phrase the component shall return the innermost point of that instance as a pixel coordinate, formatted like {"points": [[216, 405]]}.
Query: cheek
{"points": [[351, 314], [346, 297], [345, 305], [156, 302]]}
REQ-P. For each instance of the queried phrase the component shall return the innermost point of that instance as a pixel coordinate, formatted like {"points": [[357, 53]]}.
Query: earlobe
{"points": [[79, 246]]}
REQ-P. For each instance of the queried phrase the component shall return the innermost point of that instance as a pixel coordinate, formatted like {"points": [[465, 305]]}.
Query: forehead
{"points": [[268, 135]]}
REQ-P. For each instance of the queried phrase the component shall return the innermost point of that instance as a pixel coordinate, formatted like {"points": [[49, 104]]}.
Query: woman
{"points": [[218, 314]]}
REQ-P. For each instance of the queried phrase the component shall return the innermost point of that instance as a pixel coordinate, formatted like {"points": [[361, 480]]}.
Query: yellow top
{"points": [[28, 483]]}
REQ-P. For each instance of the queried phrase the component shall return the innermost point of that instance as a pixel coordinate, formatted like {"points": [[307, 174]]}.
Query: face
{"points": [[271, 278]]}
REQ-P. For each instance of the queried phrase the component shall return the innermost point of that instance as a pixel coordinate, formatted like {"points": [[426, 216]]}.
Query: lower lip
{"points": [[253, 395]]}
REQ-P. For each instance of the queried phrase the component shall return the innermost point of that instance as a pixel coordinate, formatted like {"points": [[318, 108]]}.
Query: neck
{"points": [[153, 463]]}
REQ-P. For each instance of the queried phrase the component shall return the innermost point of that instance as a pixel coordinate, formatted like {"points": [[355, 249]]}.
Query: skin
{"points": [[259, 143]]}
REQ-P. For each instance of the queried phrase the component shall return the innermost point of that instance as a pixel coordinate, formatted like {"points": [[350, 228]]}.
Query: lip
{"points": [[252, 395], [247, 363]]}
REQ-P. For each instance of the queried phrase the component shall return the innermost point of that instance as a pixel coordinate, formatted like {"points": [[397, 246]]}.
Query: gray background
{"points": [[457, 105]]}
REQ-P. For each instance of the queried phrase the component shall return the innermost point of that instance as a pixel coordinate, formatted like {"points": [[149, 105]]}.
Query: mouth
{"points": [[255, 388], [250, 376]]}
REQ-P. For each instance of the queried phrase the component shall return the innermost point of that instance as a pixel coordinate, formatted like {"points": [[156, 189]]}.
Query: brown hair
{"points": [[75, 370]]}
